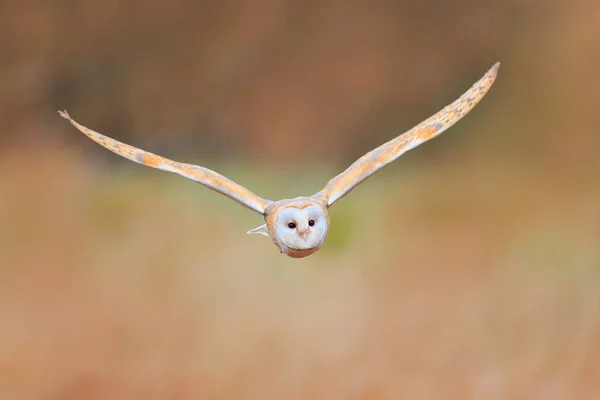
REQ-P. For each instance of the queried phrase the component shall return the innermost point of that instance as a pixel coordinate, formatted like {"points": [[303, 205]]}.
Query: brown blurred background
{"points": [[470, 268]]}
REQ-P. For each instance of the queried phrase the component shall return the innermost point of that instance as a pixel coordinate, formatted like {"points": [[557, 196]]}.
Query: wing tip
{"points": [[492, 72], [65, 115]]}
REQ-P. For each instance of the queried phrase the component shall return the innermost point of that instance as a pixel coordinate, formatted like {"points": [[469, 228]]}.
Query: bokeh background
{"points": [[469, 268]]}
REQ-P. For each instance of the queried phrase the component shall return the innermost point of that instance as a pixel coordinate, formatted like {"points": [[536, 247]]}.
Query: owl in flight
{"points": [[299, 226]]}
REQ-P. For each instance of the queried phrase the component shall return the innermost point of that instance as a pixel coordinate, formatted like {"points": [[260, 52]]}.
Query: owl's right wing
{"points": [[376, 159], [204, 176]]}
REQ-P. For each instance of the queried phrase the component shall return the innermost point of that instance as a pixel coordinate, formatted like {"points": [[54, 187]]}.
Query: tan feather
{"points": [[376, 159], [204, 176]]}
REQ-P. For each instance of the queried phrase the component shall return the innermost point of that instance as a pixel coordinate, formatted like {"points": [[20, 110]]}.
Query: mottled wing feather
{"points": [[204, 176], [376, 159]]}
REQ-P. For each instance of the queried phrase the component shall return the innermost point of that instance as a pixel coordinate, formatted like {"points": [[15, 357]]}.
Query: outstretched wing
{"points": [[204, 176], [376, 159]]}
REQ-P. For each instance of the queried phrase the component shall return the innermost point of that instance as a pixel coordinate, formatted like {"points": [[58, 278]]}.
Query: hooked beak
{"points": [[304, 234]]}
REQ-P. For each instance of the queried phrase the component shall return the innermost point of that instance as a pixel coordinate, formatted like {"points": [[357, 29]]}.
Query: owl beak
{"points": [[303, 234]]}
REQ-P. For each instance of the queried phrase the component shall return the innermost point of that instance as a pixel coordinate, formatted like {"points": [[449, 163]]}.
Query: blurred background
{"points": [[469, 268]]}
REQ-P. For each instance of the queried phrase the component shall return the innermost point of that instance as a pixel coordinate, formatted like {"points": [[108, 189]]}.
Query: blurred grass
{"points": [[123, 282]]}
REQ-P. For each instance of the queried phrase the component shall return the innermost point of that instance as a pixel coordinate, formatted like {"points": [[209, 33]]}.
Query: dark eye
{"points": [[291, 225], [311, 222]]}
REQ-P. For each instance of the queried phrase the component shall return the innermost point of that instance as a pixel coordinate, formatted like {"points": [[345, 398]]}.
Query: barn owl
{"points": [[299, 226]]}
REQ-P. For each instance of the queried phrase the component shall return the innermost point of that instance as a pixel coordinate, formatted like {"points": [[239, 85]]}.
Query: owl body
{"points": [[299, 226]]}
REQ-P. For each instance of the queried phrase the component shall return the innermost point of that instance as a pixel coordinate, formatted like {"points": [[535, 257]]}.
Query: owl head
{"points": [[298, 226]]}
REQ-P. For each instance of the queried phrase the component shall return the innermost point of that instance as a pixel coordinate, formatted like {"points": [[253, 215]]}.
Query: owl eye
{"points": [[291, 225], [311, 222]]}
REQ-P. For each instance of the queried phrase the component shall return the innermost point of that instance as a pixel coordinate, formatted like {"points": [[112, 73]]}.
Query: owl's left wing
{"points": [[204, 176], [376, 159]]}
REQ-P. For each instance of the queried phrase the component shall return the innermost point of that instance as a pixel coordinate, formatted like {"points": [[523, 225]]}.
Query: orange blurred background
{"points": [[469, 268]]}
